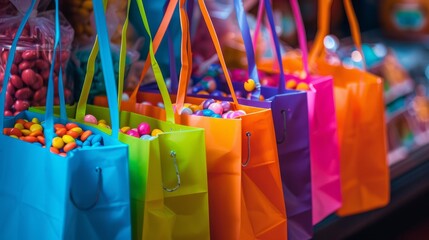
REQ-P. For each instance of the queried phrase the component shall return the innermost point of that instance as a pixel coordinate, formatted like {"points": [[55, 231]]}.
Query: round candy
{"points": [[90, 119], [195, 108], [207, 112], [250, 85], [133, 133], [302, 86], [146, 137], [85, 135], [96, 139], [291, 84], [208, 83], [57, 143], [197, 88], [156, 131], [143, 128], [160, 105], [36, 127], [203, 92], [68, 139], [125, 97], [226, 106], [216, 115], [125, 129], [218, 93], [216, 108], [101, 124], [199, 113], [206, 103], [186, 111]]}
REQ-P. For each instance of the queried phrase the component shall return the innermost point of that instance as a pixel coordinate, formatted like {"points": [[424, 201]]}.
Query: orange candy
{"points": [[302, 86], [85, 135], [73, 134], [63, 154], [58, 126], [69, 146], [6, 131], [61, 132], [41, 140], [22, 121], [54, 150], [29, 139], [15, 131], [27, 125], [71, 125], [36, 133]]}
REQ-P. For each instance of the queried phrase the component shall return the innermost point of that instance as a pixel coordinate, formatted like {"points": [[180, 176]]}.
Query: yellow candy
{"points": [[13, 136], [125, 129], [291, 84], [57, 143], [68, 139], [25, 132], [249, 85], [20, 126], [35, 120], [103, 125], [302, 86], [194, 107], [77, 130], [156, 131], [102, 121], [36, 127]]}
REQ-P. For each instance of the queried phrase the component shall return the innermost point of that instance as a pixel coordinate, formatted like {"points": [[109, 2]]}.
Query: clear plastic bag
{"points": [[33, 57]]}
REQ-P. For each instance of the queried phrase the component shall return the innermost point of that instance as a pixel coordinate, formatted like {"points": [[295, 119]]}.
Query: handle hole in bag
{"points": [[176, 168], [97, 197], [248, 135], [284, 114]]}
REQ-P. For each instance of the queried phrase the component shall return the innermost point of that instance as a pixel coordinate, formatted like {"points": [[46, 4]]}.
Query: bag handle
{"points": [[83, 99], [89, 76], [302, 38], [247, 39], [156, 69], [183, 82], [155, 44], [10, 61], [323, 29]]}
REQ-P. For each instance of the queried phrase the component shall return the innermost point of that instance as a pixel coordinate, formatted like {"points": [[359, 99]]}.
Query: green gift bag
{"points": [[168, 176]]}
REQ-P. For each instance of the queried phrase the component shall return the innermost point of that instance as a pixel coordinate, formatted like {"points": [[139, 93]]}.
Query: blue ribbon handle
{"points": [[245, 32], [107, 65], [247, 39], [10, 61]]}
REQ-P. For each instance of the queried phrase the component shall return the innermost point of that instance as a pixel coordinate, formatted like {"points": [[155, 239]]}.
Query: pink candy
{"points": [[90, 119], [143, 128], [216, 108]]}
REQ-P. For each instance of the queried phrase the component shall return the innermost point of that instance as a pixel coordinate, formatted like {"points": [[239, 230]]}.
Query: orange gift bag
{"points": [[245, 190]]}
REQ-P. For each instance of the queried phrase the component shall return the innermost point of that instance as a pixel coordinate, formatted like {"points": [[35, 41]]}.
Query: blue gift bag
{"points": [[84, 195]]}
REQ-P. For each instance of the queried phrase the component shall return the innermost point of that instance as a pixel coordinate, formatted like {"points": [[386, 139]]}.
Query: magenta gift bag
{"points": [[324, 148]]}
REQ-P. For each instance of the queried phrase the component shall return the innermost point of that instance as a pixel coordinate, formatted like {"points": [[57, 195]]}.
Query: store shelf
{"points": [[409, 179]]}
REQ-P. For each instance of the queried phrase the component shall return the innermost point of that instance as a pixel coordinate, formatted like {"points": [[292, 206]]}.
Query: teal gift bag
{"points": [[83, 195]]}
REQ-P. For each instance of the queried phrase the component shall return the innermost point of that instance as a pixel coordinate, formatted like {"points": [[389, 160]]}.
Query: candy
{"points": [[186, 111], [61, 132], [90, 119], [206, 103], [216, 115], [71, 125], [68, 139], [77, 130], [35, 127], [133, 133], [57, 143], [15, 131], [156, 132], [207, 112], [36, 133], [226, 106], [143, 128], [125, 97], [125, 129], [85, 135], [250, 85], [302, 86], [216, 108], [20, 126], [291, 84], [73, 133], [199, 113], [146, 137], [69, 146]]}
